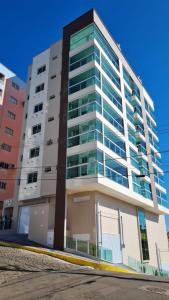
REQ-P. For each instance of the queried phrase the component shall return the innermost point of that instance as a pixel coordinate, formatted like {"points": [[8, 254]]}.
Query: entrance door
{"points": [[24, 218], [111, 247]]}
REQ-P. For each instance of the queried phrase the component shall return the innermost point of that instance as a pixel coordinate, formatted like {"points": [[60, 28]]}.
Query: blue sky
{"points": [[140, 27]]}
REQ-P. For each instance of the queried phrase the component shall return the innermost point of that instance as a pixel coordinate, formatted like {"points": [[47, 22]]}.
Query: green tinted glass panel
{"points": [[82, 37], [143, 235]]}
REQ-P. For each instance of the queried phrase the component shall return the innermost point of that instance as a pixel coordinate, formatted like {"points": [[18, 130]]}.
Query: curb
{"points": [[71, 259]]}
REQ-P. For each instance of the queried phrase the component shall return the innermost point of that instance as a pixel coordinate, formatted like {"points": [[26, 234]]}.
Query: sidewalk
{"points": [[21, 242]]}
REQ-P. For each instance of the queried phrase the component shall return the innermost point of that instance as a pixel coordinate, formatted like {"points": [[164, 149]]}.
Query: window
{"points": [[87, 163], [141, 186], [111, 94], [134, 159], [9, 131], [139, 126], [38, 107], [115, 171], [151, 124], [4, 165], [84, 57], [50, 119], [153, 141], [128, 95], [51, 97], [34, 152], [2, 185], [15, 85], [49, 142], [32, 177], [48, 169], [114, 143], [52, 77], [12, 100], [143, 235], [84, 133], [155, 158], [11, 115], [144, 168], [6, 147], [132, 135], [111, 116], [79, 38], [110, 72], [106, 47], [129, 114], [141, 146], [162, 198], [84, 80], [2, 77], [41, 69], [54, 57], [86, 104], [39, 88], [148, 108], [137, 108], [131, 83], [36, 129]]}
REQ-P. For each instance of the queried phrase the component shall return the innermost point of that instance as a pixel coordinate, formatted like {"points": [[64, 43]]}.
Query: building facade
{"points": [[12, 97], [91, 163]]}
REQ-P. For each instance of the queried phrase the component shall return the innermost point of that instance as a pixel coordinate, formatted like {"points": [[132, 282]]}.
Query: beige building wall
{"points": [[38, 226], [82, 209], [156, 232], [110, 207], [81, 216]]}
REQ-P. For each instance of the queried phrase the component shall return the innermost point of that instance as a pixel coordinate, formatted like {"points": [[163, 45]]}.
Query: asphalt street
{"points": [[25, 275]]}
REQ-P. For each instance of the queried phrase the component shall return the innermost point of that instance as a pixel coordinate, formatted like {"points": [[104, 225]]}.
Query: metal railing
{"points": [[89, 249], [146, 268]]}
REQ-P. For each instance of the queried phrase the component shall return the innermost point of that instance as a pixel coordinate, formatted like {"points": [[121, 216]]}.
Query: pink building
{"points": [[12, 97]]}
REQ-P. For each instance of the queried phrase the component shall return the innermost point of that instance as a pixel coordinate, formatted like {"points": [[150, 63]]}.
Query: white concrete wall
{"points": [[50, 153]]}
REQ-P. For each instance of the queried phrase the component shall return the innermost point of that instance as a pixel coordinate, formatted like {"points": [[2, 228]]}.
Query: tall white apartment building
{"points": [[91, 163]]}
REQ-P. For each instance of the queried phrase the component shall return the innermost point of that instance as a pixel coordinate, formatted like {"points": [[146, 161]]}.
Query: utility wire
{"points": [[111, 159], [164, 131]]}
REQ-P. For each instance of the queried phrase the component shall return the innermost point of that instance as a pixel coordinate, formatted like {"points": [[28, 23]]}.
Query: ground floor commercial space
{"points": [[98, 222]]}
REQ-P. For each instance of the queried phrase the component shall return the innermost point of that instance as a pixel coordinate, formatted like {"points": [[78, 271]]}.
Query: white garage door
{"points": [[24, 218]]}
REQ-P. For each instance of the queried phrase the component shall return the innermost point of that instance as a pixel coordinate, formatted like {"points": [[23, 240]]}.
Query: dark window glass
{"points": [[143, 234], [50, 119], [12, 100], [9, 131], [36, 129], [34, 152], [6, 147], [2, 185], [15, 85], [32, 177], [38, 107], [39, 88], [11, 115], [41, 69]]}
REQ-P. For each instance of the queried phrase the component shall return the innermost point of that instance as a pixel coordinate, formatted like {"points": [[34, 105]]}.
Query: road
{"points": [[25, 275]]}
